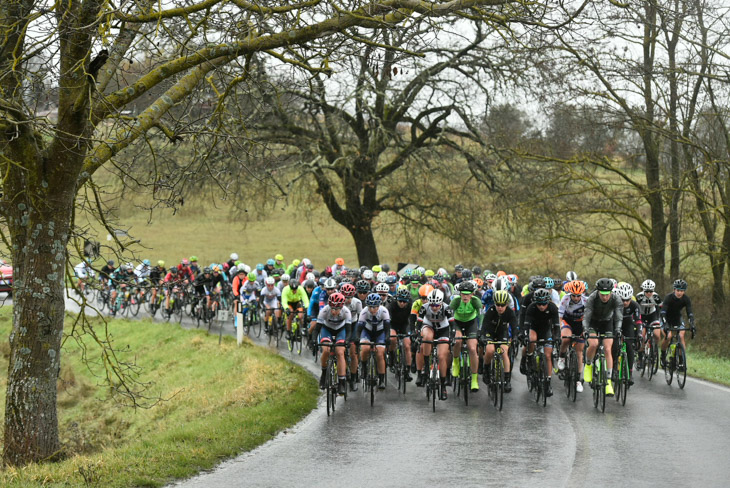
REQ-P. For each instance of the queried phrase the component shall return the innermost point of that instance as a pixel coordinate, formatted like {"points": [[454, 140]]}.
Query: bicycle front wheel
{"points": [[257, 324], [373, 374], [328, 382], [625, 377], [681, 365], [669, 369], [602, 384], [499, 390], [619, 374], [466, 371]]}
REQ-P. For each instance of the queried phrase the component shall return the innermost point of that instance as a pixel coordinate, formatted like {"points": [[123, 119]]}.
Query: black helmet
{"points": [[309, 284], [293, 284], [466, 274], [476, 270], [362, 286], [679, 284], [458, 267], [403, 294], [206, 270], [604, 284], [110, 262], [173, 270], [466, 286], [385, 267], [538, 283], [541, 296]]}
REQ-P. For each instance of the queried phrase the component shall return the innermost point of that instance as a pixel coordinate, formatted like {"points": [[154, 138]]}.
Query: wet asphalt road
{"points": [[663, 436]]}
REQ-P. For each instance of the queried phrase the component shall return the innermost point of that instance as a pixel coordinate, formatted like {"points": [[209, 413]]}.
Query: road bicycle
{"points": [[294, 339], [600, 379], [463, 382], [537, 376], [433, 381], [331, 378], [650, 361], [495, 388], [676, 361], [622, 373], [571, 374], [400, 369], [369, 371]]}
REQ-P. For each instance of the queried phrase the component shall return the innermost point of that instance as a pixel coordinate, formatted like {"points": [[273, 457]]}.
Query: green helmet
{"points": [[501, 297], [252, 276]]}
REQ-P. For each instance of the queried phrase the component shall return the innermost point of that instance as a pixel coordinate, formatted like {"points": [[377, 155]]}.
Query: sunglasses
{"points": [[336, 308], [542, 304], [575, 295], [402, 301], [434, 305]]}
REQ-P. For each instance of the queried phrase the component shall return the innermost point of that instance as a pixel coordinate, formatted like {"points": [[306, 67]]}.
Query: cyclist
{"points": [[400, 311], [630, 325], [83, 272], [650, 304], [466, 308], [335, 322], [373, 327], [456, 277], [436, 320], [194, 266], [355, 306], [416, 307], [105, 273], [294, 300], [261, 275], [121, 277], [571, 310], [232, 260], [283, 281], [603, 314], [671, 314], [414, 284], [338, 266], [496, 326], [549, 286], [269, 299], [541, 317], [157, 274], [184, 272], [203, 286], [170, 281]]}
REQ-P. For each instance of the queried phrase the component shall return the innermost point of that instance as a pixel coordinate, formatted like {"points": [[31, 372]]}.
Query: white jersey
{"points": [[374, 322], [83, 270]]}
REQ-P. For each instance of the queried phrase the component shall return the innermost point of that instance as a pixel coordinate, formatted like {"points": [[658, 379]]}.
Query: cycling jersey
{"points": [[83, 270], [672, 309], [332, 322], [649, 306], [270, 296], [378, 321], [355, 306], [464, 312], [603, 317], [542, 321], [295, 298], [313, 309], [399, 317], [631, 319], [496, 327], [571, 311], [435, 319]]}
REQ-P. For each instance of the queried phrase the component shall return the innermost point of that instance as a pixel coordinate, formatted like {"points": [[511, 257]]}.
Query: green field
{"points": [[216, 402]]}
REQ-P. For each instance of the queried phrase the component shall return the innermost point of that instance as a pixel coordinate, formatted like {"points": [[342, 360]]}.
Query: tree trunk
{"points": [[31, 422], [367, 251]]}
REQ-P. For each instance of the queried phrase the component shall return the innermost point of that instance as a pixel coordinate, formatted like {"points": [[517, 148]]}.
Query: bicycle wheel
{"points": [[373, 374], [335, 381], [492, 388], [595, 383], [544, 379], [603, 382], [328, 382], [499, 379], [625, 377], [257, 323], [568, 375], [669, 367], [655, 354], [619, 374], [681, 363], [134, 304], [436, 391], [178, 310], [290, 337], [466, 371], [405, 371], [298, 342]]}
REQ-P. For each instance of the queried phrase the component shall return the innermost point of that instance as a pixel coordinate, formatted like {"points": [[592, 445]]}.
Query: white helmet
{"points": [[436, 297], [234, 256], [285, 277], [382, 276], [309, 276], [382, 288], [571, 276], [246, 268], [625, 291], [648, 285], [306, 262], [367, 274], [270, 280], [421, 269], [500, 283], [490, 277]]}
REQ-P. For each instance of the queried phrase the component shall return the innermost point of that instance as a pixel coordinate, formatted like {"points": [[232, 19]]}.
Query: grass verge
{"points": [[708, 367], [220, 401]]}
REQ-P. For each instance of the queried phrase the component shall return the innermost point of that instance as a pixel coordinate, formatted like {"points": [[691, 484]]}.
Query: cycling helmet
{"points": [[327, 271], [429, 273], [270, 281], [648, 285], [206, 270], [458, 267], [625, 291], [377, 268], [252, 277], [130, 267], [465, 287], [296, 262], [293, 284], [367, 274], [259, 267], [392, 273], [373, 300], [330, 284], [425, 290], [538, 283], [161, 263], [501, 297], [339, 262], [348, 289], [146, 262], [193, 259], [500, 284], [479, 282], [466, 274], [477, 270], [512, 279], [382, 277], [362, 286], [285, 277], [385, 267], [436, 297], [306, 262], [575, 287], [270, 262], [679, 284], [216, 269], [311, 276], [571, 276], [391, 280], [110, 262], [403, 295], [241, 270], [173, 270], [421, 270], [549, 283], [604, 285], [246, 268], [490, 277], [234, 256], [541, 296], [382, 288], [336, 300], [309, 284]]}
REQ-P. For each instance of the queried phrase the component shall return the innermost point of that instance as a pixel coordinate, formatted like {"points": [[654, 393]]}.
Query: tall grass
{"points": [[217, 401]]}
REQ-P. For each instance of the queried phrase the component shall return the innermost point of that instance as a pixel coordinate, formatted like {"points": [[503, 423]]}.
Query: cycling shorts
{"points": [[297, 306], [468, 328], [442, 335], [604, 327], [329, 335], [575, 326], [673, 325], [400, 328], [372, 336]]}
